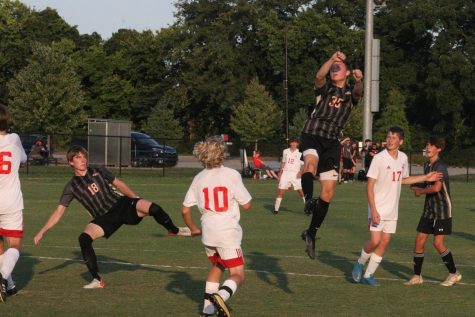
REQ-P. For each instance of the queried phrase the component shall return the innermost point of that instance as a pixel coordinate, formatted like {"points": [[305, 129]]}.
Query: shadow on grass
{"points": [[183, 283], [464, 235], [23, 272], [267, 269], [340, 263], [106, 265]]}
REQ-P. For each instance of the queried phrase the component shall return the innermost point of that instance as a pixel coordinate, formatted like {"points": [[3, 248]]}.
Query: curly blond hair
{"points": [[211, 152]]}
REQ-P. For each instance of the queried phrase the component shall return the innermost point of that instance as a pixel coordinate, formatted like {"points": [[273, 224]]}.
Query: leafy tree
{"points": [[393, 114], [298, 121], [162, 124], [46, 95], [354, 126], [257, 117]]}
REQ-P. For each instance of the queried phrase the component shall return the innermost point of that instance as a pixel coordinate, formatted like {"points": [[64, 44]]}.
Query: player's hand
{"points": [[417, 191], [434, 176], [338, 56], [375, 218], [38, 238], [357, 75], [195, 232]]}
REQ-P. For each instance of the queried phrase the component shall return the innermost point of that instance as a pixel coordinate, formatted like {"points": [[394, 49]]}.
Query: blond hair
{"points": [[211, 152]]}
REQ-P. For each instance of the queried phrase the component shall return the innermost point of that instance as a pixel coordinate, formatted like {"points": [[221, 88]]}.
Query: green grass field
{"points": [[150, 274]]}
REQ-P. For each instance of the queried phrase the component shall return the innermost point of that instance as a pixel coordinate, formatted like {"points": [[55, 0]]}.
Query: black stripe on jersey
{"points": [[96, 203], [331, 112], [438, 206]]}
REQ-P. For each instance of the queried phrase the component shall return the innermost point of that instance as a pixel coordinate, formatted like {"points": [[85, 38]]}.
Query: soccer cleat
{"points": [[275, 212], [205, 315], [3, 289], [11, 287], [369, 281], [415, 280], [182, 232], [221, 308], [452, 279], [309, 244], [310, 206], [357, 272], [95, 284]]}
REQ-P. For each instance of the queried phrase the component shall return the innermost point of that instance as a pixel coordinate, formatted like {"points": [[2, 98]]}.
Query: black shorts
{"points": [[435, 227], [328, 151], [347, 163], [123, 213]]}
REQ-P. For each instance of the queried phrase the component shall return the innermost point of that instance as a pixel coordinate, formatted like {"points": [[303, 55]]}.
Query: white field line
{"points": [[163, 266]]}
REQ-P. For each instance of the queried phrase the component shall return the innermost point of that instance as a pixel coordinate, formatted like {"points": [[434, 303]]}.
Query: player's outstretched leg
{"points": [[3, 289], [309, 244]]}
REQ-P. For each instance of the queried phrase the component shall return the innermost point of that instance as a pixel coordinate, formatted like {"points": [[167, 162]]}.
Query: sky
{"points": [[107, 16]]}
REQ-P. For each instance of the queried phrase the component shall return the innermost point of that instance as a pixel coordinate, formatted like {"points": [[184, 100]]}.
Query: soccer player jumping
{"points": [[93, 188], [319, 141], [218, 191]]}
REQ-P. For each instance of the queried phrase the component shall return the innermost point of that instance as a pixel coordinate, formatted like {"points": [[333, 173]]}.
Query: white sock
{"points": [[303, 198], [10, 282], [224, 292], [208, 307], [373, 265], [363, 257], [278, 200], [10, 257]]}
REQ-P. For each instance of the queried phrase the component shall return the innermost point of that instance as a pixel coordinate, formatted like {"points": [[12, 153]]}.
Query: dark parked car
{"points": [[148, 152]]}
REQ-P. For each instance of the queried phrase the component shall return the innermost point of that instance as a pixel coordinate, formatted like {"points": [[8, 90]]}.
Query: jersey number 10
{"points": [[5, 166], [219, 206]]}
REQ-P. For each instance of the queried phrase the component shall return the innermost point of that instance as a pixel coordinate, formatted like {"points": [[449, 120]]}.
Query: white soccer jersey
{"points": [[11, 155], [218, 192], [388, 173], [292, 160]]}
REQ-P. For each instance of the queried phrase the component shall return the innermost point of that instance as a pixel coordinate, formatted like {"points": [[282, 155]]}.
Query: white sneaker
{"points": [[452, 279], [182, 231], [95, 284], [415, 280]]}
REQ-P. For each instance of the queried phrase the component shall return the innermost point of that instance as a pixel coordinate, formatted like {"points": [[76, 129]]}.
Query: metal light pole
{"points": [[367, 116], [286, 90]]}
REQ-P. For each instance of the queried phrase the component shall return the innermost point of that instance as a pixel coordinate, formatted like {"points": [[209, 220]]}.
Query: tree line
{"points": [[220, 68]]}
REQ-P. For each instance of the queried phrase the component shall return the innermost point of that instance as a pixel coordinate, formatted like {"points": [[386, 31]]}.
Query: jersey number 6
{"points": [[217, 191], [5, 166]]}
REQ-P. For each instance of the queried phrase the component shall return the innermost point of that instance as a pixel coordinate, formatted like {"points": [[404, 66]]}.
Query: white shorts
{"points": [[11, 224], [288, 179], [387, 226], [226, 257]]}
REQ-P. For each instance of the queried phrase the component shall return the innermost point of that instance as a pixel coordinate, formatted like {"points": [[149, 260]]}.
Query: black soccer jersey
{"points": [[94, 191], [332, 110], [438, 206]]}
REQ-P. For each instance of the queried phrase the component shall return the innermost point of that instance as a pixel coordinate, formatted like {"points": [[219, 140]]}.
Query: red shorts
{"points": [[227, 257]]}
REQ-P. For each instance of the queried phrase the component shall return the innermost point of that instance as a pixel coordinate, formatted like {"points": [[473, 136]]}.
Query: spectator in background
{"points": [[38, 150], [347, 160], [366, 154], [259, 163]]}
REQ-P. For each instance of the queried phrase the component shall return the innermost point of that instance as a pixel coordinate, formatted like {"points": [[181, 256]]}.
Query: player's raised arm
{"points": [[52, 221], [358, 87]]}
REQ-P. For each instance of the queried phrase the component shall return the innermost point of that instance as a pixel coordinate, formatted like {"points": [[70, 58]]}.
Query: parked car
{"points": [[146, 151]]}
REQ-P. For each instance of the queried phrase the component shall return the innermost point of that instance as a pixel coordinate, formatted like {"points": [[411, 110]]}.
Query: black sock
{"points": [[448, 261], [418, 260], [307, 185], [352, 176], [318, 216], [88, 254], [162, 217]]}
